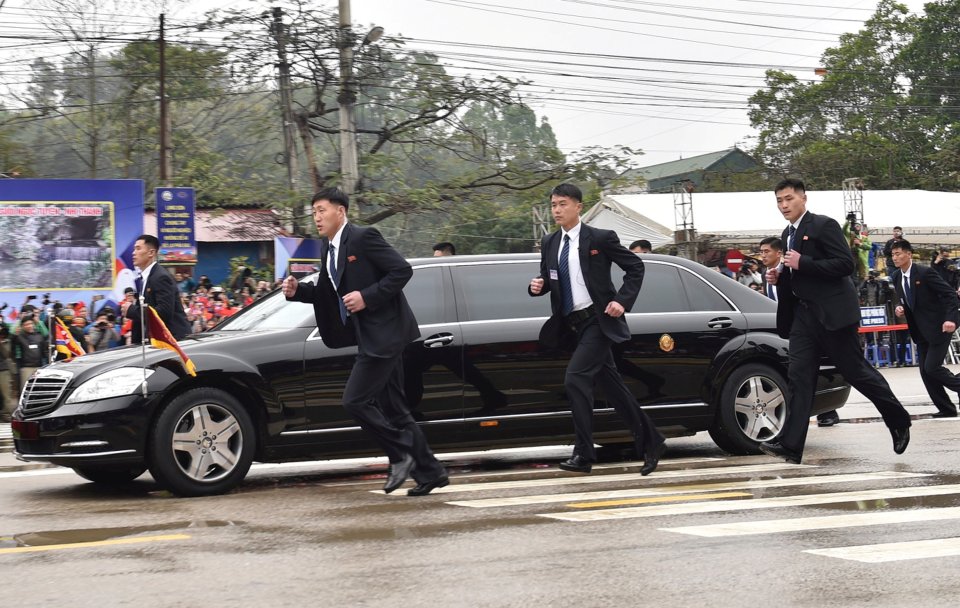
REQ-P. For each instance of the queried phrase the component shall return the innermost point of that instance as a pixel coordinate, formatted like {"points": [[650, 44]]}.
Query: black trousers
{"points": [[935, 376], [809, 341], [592, 362], [374, 397]]}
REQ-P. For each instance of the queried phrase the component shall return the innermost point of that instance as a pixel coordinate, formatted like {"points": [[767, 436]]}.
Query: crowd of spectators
{"points": [[26, 342]]}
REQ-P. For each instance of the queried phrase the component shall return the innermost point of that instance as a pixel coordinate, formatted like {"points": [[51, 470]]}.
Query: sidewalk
{"points": [[905, 382]]}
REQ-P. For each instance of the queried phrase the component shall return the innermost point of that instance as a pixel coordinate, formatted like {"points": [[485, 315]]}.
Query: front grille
{"points": [[42, 392]]}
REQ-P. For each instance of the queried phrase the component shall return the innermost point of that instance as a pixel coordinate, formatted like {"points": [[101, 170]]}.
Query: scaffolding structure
{"points": [[685, 236], [853, 198], [541, 213]]}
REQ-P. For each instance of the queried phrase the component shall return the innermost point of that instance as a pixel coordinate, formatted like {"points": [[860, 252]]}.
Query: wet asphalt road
{"points": [[513, 530]]}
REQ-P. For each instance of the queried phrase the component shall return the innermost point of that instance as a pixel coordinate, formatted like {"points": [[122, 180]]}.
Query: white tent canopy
{"points": [[743, 218]]}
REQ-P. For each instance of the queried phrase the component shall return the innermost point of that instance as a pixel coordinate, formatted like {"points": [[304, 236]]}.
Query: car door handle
{"points": [[438, 340], [719, 323]]}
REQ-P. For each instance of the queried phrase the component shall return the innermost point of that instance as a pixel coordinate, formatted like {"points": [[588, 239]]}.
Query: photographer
{"points": [[946, 268], [859, 245], [7, 403], [33, 348], [748, 274], [102, 335]]}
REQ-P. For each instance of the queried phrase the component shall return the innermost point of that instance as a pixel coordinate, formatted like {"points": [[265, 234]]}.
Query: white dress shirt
{"points": [[143, 278], [581, 297], [335, 243]]}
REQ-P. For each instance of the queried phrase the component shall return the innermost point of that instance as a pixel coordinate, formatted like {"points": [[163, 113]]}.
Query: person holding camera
{"points": [[946, 268], [748, 274], [6, 376], [102, 335], [33, 348], [859, 246]]}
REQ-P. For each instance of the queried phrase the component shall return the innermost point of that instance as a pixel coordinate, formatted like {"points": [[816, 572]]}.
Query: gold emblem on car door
{"points": [[666, 343]]}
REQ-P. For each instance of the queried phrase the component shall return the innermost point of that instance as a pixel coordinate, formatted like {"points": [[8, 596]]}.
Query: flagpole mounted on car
{"points": [[143, 346]]}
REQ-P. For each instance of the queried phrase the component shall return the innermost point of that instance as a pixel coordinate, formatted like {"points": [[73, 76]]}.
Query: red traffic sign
{"points": [[734, 260]]}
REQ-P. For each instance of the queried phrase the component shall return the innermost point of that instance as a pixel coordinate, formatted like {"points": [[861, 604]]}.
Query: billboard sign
{"points": [[176, 226]]}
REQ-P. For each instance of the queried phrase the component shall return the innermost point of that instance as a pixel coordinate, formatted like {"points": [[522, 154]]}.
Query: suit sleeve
{"points": [[394, 267], [306, 292], [630, 263], [544, 272], [837, 260], [946, 296], [165, 295]]}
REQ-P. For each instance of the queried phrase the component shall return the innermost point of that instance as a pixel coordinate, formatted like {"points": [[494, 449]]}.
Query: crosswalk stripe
{"points": [[894, 552], [802, 524], [512, 501], [656, 499], [756, 503], [581, 479]]}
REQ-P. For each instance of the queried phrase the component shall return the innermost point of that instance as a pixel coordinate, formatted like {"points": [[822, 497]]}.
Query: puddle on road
{"points": [[69, 537], [428, 531]]}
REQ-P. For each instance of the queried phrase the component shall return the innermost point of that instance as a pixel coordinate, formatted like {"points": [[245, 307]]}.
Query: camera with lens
{"points": [[31, 297], [851, 217]]}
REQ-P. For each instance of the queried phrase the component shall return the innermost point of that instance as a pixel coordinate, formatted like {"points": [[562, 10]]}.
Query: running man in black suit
{"points": [[818, 310], [358, 300], [930, 305], [576, 261], [158, 289]]}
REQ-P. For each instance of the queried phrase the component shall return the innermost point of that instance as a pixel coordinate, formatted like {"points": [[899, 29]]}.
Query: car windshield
{"points": [[273, 311]]}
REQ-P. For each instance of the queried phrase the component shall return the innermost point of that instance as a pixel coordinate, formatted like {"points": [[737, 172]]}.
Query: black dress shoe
{"points": [[901, 437], [945, 415], [399, 471], [652, 459], [773, 448], [577, 464], [422, 489], [828, 419]]}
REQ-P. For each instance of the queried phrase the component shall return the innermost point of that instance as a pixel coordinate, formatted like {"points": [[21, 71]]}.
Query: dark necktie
{"points": [[138, 284], [333, 277], [771, 292], [790, 233], [566, 291], [907, 291]]}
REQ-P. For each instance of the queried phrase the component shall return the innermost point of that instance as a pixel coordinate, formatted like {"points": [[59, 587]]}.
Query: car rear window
{"points": [[499, 291]]}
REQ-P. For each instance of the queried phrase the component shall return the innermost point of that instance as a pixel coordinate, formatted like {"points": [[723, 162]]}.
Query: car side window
{"points": [[662, 290], [701, 295], [499, 291], [425, 294]]}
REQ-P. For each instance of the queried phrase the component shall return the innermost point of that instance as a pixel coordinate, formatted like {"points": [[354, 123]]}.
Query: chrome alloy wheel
{"points": [[760, 408], [207, 442]]}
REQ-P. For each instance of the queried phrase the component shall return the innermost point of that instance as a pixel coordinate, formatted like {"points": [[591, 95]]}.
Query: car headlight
{"points": [[115, 383]]}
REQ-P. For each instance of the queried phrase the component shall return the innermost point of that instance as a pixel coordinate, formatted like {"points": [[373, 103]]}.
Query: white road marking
{"points": [[756, 503], [894, 552], [690, 489], [801, 524], [591, 479]]}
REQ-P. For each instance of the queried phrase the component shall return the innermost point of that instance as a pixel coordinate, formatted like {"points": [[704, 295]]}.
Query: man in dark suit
{"points": [[358, 300], [158, 289], [586, 309], [930, 305], [819, 312]]}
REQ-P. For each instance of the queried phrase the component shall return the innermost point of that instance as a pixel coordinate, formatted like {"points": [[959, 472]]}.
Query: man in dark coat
{"points": [[358, 300], [818, 310], [930, 306], [575, 271], [158, 289]]}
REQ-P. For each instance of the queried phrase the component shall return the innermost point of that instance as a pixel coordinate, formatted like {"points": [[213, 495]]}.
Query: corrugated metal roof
{"points": [[679, 167], [228, 225]]}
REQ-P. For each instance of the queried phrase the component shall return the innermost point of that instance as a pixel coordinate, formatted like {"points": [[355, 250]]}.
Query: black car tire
{"points": [[110, 476], [752, 409], [202, 444]]}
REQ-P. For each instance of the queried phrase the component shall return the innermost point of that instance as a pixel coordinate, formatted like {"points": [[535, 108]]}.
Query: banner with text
{"points": [[175, 226]]}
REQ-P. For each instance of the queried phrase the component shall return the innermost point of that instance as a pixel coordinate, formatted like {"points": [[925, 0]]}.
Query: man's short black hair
{"points": [[568, 190], [445, 247], [643, 243], [334, 195], [903, 244], [774, 242], [898, 228], [149, 240], [790, 182]]}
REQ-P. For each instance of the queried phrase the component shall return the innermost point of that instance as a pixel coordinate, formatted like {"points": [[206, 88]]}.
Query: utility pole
{"points": [[347, 98], [289, 140], [92, 98], [685, 235], [166, 164]]}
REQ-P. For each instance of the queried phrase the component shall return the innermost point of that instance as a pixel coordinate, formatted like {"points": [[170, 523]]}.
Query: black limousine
{"points": [[704, 357]]}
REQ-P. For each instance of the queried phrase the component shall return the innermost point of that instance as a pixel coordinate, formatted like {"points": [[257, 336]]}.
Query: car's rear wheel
{"points": [[110, 476], [752, 409], [202, 444]]}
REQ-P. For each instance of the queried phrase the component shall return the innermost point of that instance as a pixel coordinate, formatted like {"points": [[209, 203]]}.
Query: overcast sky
{"points": [[669, 77]]}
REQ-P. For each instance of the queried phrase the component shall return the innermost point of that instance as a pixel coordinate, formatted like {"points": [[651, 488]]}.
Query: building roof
{"points": [[682, 166], [227, 225]]}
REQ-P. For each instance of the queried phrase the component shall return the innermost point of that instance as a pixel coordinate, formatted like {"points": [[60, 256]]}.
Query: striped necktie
{"points": [[566, 290]]}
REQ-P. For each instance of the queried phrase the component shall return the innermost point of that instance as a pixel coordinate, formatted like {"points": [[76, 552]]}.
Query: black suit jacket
{"points": [[161, 292], [934, 302], [365, 263], [823, 279], [598, 250]]}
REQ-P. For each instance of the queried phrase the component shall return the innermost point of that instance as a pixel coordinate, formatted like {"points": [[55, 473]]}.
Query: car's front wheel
{"points": [[202, 444], [752, 409]]}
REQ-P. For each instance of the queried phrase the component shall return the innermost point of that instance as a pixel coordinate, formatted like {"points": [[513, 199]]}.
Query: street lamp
{"points": [[348, 97]]}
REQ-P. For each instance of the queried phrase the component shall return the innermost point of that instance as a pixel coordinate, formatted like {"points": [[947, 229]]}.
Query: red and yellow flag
{"points": [[65, 341], [160, 337]]}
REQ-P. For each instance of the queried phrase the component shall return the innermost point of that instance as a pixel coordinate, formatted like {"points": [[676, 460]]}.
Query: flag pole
{"points": [[143, 346]]}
